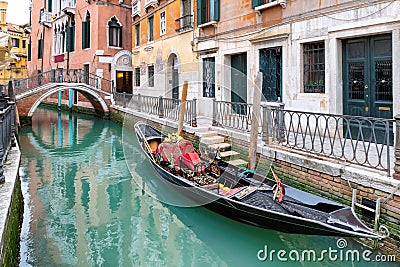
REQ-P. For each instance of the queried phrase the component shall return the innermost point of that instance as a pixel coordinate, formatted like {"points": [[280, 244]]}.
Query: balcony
{"points": [[148, 3], [45, 18], [68, 7], [135, 8], [185, 23]]}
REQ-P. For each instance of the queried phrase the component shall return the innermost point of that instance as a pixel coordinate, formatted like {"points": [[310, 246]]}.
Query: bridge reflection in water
{"points": [[82, 207]]}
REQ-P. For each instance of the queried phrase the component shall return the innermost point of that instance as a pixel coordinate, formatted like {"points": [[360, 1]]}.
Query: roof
{"points": [[13, 28]]}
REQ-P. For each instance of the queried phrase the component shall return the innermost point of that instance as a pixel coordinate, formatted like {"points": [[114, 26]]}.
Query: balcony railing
{"points": [[185, 23], [148, 3], [45, 18], [68, 7], [135, 8]]}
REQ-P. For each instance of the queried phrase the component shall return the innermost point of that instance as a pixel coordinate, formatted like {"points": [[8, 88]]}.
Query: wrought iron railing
{"points": [[7, 129], [185, 23], [159, 106], [232, 115], [360, 140], [61, 76]]}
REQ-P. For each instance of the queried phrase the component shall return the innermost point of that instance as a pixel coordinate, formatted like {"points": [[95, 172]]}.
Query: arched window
{"points": [[114, 33], [86, 32]]}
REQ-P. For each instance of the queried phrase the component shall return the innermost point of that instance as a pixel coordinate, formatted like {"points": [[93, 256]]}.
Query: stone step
{"points": [[212, 140], [238, 162], [221, 146], [201, 129], [229, 155], [206, 134]]}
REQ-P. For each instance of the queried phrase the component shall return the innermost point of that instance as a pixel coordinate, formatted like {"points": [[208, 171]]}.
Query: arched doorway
{"points": [[173, 77], [121, 71]]}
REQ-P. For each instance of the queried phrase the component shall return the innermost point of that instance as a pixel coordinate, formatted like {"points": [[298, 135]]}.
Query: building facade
{"points": [[162, 49], [320, 56], [14, 62], [94, 36]]}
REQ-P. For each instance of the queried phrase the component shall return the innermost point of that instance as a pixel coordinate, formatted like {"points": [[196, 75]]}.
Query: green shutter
{"points": [[29, 52], [216, 10], [88, 34], [72, 39], [201, 11], [50, 5], [84, 26], [256, 3], [68, 39]]}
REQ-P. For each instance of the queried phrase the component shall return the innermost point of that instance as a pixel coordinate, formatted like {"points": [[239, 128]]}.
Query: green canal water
{"points": [[85, 206]]}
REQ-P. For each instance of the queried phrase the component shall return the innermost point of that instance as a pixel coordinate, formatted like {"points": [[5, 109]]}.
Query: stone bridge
{"points": [[30, 92]]}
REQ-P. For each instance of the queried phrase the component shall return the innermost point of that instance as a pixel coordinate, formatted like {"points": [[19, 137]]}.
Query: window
{"points": [[207, 11], [23, 43], [137, 34], [40, 47], [151, 28], [114, 33], [137, 76], [256, 3], [314, 67], [151, 76], [29, 52], [163, 24], [209, 77], [15, 42], [86, 32], [70, 37]]}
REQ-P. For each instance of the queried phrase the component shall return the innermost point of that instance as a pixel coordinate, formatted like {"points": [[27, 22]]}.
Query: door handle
{"points": [[366, 109], [366, 86]]}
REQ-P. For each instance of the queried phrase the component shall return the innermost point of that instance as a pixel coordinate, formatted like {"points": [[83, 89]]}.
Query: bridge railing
{"points": [[7, 129], [61, 76]]}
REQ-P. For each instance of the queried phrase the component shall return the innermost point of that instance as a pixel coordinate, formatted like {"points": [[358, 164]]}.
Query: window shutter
{"points": [[201, 11], [216, 10], [120, 36], [84, 34], [72, 39], [256, 3], [50, 6], [40, 48], [68, 39], [88, 34], [29, 52]]}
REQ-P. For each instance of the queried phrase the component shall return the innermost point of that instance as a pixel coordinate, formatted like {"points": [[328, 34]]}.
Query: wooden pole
{"points": [[255, 122], [182, 108]]}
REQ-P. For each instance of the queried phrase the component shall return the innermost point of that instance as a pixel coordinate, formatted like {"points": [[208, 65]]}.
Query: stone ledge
{"points": [[11, 166]]}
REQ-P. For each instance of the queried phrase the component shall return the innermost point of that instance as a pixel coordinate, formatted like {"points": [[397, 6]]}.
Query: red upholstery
{"points": [[186, 146], [169, 151]]}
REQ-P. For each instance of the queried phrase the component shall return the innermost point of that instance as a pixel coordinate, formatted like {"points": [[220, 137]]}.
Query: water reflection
{"points": [[82, 207]]}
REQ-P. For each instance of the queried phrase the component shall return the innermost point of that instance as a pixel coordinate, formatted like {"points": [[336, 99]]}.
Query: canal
{"points": [[85, 206]]}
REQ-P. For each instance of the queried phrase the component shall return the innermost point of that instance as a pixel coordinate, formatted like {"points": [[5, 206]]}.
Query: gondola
{"points": [[243, 195]]}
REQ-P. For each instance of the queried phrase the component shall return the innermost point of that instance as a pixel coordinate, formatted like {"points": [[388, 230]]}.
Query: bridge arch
{"points": [[94, 98]]}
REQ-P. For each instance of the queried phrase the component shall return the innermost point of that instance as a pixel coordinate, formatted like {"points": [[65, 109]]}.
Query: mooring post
{"points": [[214, 120], [160, 106], [396, 174], [194, 113]]}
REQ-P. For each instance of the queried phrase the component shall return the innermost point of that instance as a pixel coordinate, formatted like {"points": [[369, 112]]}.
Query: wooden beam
{"points": [[255, 117], [182, 108]]}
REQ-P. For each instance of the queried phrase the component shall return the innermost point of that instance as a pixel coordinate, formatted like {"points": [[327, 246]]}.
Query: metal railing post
{"points": [[124, 99], [194, 113], [396, 174], [160, 107], [139, 101], [265, 123], [214, 120], [281, 123]]}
